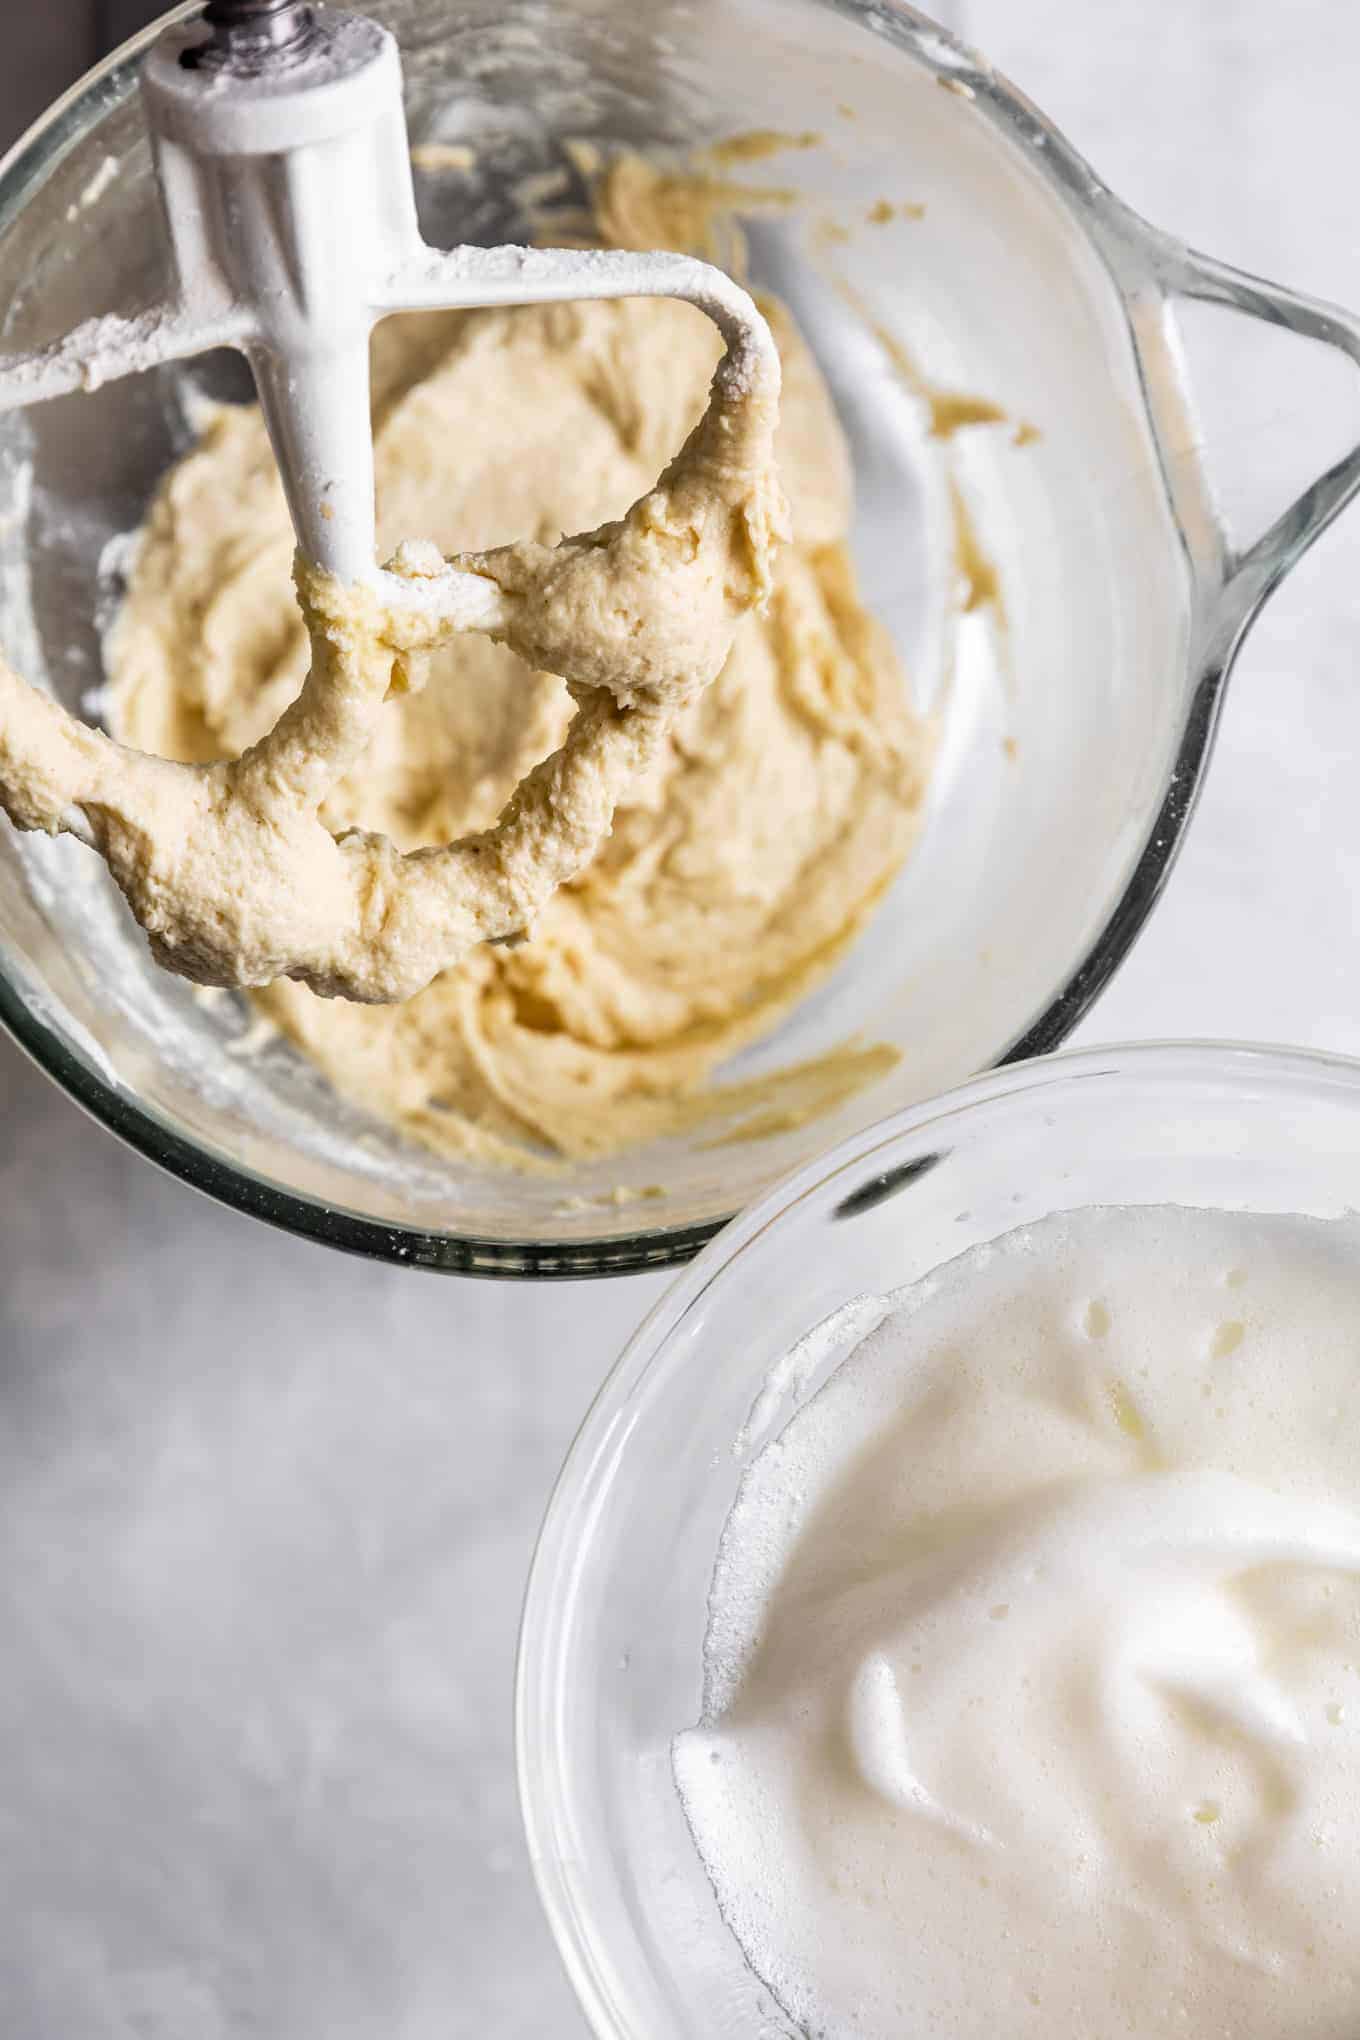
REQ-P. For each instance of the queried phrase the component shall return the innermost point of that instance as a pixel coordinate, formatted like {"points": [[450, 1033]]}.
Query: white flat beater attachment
{"points": [[281, 149]]}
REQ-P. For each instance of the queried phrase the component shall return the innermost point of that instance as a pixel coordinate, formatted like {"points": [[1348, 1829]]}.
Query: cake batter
{"points": [[760, 824], [761, 817]]}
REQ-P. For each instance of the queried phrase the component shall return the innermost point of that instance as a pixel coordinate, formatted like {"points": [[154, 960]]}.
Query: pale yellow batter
{"points": [[763, 829], [765, 822]]}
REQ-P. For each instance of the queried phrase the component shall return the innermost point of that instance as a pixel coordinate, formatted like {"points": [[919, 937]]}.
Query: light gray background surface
{"points": [[337, 1499]]}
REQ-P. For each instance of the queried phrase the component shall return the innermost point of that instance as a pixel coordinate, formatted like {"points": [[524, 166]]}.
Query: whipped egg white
{"points": [[1031, 1690]]}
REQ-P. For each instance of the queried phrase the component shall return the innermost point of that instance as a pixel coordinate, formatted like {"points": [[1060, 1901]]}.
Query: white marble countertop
{"points": [[308, 1848]]}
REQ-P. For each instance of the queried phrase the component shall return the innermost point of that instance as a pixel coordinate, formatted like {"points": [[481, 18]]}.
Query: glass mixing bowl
{"points": [[1076, 705], [612, 1639]]}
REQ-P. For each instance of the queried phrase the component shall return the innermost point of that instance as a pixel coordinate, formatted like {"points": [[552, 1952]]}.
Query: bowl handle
{"points": [[1249, 575]]}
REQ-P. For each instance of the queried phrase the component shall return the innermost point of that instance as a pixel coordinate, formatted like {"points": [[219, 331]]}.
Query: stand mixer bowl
{"points": [[1067, 597]]}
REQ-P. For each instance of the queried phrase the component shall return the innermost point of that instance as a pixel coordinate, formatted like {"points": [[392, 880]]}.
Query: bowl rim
{"points": [[562, 1547], [240, 1188]]}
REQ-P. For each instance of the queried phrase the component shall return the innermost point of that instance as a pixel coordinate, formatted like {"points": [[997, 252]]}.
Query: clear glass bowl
{"points": [[1074, 731], [614, 1621]]}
